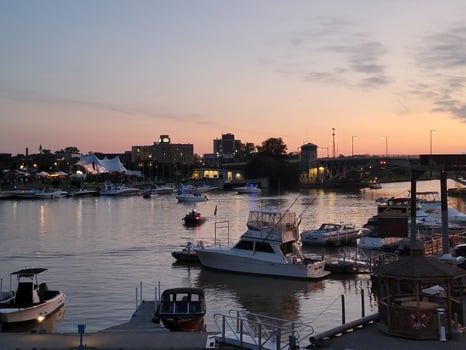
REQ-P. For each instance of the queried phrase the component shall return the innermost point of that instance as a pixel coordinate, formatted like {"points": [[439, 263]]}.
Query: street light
{"points": [[386, 144], [333, 143], [432, 131], [352, 144]]}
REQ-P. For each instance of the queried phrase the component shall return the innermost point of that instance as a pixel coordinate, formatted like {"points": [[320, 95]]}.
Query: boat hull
{"points": [[224, 260], [334, 238], [183, 323], [10, 314]]}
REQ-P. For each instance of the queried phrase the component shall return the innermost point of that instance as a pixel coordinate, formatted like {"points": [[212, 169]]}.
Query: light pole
{"points": [[333, 143], [352, 144], [432, 131], [386, 144]]}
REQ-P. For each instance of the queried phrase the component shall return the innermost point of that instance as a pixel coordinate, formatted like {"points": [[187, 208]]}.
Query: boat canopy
{"points": [[28, 272], [275, 225]]}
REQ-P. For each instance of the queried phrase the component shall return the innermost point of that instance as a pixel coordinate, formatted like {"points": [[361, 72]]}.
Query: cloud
{"points": [[325, 46], [442, 59]]}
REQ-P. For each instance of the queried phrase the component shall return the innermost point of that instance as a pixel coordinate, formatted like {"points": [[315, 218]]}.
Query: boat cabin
{"points": [[29, 291], [182, 309]]}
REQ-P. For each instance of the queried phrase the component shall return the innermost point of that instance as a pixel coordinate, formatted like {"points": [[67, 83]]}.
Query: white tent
{"points": [[94, 165]]}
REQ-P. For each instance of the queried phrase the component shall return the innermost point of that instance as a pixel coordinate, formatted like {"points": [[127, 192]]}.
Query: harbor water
{"points": [[100, 251]]}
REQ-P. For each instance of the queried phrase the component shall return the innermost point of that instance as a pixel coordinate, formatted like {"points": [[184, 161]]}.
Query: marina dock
{"points": [[140, 333]]}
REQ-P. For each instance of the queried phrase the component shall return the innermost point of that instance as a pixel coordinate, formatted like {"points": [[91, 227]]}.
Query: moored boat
{"points": [[31, 300], [251, 188], [332, 234], [191, 197], [51, 193], [270, 246], [84, 192], [119, 190], [182, 309], [186, 254]]}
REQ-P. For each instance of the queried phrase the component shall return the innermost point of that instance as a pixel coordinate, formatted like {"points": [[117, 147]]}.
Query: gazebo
{"points": [[419, 297]]}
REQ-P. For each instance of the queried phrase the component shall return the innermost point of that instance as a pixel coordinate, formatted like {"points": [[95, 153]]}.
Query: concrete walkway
{"points": [[139, 333]]}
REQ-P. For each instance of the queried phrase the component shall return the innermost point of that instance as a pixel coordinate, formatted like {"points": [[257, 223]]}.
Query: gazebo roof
{"points": [[419, 267]]}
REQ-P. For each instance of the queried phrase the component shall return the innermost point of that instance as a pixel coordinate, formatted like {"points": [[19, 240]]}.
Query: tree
{"points": [[273, 147], [272, 161]]}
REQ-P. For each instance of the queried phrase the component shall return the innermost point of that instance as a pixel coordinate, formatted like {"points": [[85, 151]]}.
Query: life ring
{"points": [[418, 320]]}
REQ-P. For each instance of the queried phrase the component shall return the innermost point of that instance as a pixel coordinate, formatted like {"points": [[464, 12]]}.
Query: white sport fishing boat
{"points": [[31, 301], [270, 246]]}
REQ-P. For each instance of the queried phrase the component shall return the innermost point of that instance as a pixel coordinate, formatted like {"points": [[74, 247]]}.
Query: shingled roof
{"points": [[419, 267]]}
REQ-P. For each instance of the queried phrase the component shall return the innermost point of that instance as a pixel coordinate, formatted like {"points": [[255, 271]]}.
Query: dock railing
{"points": [[255, 331], [365, 259]]}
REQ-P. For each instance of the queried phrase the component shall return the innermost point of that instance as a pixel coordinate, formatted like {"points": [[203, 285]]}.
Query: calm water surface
{"points": [[99, 250]]}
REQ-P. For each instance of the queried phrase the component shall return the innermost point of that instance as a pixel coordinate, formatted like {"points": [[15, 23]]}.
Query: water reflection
{"points": [[267, 295]]}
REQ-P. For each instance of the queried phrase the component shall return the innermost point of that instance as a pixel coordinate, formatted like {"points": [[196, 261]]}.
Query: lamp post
{"points": [[386, 144], [352, 144], [432, 131], [333, 143]]}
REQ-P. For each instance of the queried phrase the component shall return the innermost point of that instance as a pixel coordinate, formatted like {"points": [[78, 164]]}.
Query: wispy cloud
{"points": [[357, 65], [442, 58]]}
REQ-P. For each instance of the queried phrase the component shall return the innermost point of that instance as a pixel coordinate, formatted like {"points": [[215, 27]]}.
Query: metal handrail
{"points": [[260, 331]]}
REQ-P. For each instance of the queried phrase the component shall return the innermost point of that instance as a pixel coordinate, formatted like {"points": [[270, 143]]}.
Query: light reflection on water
{"points": [[98, 250]]}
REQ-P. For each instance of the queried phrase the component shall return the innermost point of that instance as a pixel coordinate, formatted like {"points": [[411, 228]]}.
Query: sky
{"points": [[354, 76]]}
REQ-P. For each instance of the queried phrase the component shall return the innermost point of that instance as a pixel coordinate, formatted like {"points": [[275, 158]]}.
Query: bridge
{"points": [[360, 170]]}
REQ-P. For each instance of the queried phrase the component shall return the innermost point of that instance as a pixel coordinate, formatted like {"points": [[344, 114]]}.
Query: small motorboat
{"points": [[186, 197], [193, 218], [84, 192], [182, 309], [332, 234], [31, 301], [51, 193], [186, 254], [251, 188], [119, 190]]}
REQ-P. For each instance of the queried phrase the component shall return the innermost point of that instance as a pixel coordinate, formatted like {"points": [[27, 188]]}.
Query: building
{"points": [[164, 156], [227, 146]]}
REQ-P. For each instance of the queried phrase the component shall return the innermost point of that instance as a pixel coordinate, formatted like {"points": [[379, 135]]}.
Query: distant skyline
{"points": [[106, 75]]}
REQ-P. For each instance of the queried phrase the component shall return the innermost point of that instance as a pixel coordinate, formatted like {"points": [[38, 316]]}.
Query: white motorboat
{"points": [[162, 189], [26, 194], [84, 192], [332, 234], [270, 246], [31, 301], [119, 190], [251, 188], [186, 197], [50, 193]]}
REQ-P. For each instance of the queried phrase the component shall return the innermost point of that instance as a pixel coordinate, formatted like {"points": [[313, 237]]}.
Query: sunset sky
{"points": [[104, 75]]}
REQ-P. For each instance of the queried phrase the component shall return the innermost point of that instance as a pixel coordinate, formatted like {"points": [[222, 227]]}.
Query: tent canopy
{"points": [[94, 165]]}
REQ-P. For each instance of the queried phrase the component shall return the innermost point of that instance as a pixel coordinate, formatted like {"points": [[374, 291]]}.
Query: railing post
{"points": [[278, 339], [140, 291], [363, 309], [223, 328], [259, 336], [343, 316], [241, 333]]}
